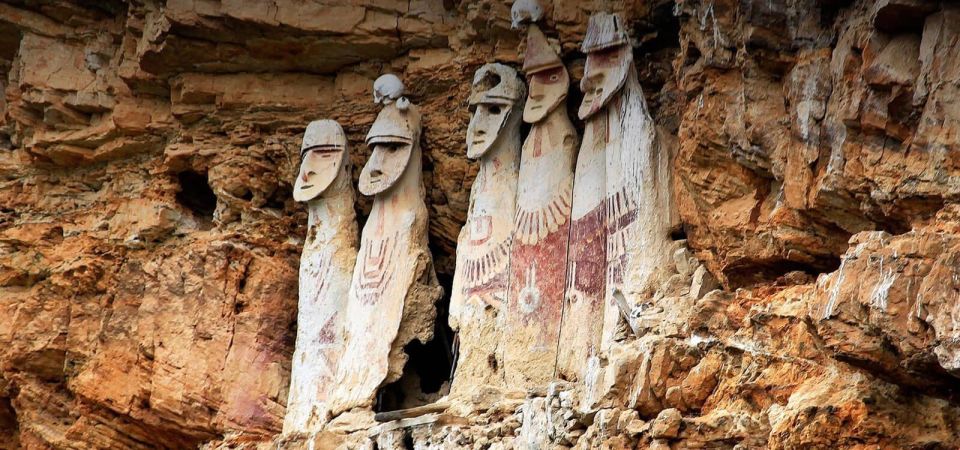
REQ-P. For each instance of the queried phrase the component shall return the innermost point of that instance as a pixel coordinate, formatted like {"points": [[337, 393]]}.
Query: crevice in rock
{"points": [[750, 272], [898, 17], [573, 100], [426, 376], [892, 225], [195, 194], [10, 37], [678, 232], [900, 219], [6, 144], [9, 426], [659, 46], [280, 198], [664, 27], [830, 10], [932, 379]]}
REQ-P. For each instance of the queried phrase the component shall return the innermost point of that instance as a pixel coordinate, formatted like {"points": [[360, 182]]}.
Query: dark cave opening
{"points": [[429, 369], [195, 194], [678, 232], [755, 271], [9, 426], [280, 199], [661, 31]]}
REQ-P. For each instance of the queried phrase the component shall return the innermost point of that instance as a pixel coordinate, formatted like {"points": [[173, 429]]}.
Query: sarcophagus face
{"points": [[496, 89], [609, 57], [547, 78], [323, 153], [392, 138]]}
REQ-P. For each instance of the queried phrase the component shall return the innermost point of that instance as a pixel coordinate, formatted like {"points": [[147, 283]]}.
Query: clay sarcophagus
{"points": [[394, 288], [541, 229], [480, 283], [638, 192], [582, 324], [326, 267]]}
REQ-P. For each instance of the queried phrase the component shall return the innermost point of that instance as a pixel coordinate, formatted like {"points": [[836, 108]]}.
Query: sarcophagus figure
{"points": [[480, 283], [583, 312], [638, 193], [394, 288], [541, 229], [326, 267]]}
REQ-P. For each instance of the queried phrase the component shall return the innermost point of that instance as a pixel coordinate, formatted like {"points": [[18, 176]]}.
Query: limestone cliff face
{"points": [[149, 243]]}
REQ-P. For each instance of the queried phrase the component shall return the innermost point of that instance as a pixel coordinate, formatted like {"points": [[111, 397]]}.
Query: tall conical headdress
{"points": [[539, 55]]}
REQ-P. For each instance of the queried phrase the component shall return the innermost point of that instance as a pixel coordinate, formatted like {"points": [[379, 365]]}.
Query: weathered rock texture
{"points": [[149, 243]]}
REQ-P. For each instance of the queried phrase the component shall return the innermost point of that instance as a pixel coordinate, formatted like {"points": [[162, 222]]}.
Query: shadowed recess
{"points": [[426, 376], [195, 194]]}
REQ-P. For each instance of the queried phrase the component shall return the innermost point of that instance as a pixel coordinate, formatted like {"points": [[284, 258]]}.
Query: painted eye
{"points": [[494, 109], [555, 77]]}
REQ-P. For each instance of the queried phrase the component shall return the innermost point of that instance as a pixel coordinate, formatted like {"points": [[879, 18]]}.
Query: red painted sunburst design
{"points": [[532, 226]]}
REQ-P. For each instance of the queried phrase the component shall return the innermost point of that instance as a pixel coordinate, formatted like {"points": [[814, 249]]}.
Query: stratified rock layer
{"points": [[149, 243]]}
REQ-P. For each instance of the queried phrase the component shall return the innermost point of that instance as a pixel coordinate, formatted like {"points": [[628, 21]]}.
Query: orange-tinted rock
{"points": [[149, 243]]}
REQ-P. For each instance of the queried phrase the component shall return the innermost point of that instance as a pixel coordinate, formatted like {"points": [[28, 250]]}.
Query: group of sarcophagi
{"points": [[555, 242]]}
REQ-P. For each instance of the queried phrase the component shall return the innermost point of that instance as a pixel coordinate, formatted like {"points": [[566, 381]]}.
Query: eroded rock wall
{"points": [[149, 244]]}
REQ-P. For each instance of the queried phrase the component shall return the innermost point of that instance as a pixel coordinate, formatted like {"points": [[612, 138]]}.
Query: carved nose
{"points": [[536, 91], [375, 174], [308, 174]]}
